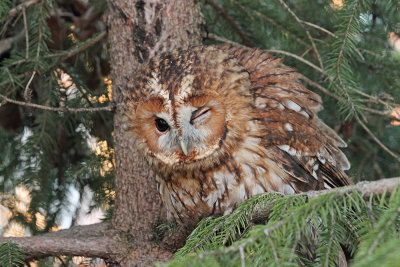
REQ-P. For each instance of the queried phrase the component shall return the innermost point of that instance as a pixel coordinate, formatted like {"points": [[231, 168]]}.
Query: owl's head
{"points": [[189, 107]]}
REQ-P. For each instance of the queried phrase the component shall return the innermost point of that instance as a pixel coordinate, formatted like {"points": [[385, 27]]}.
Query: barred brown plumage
{"points": [[239, 123]]}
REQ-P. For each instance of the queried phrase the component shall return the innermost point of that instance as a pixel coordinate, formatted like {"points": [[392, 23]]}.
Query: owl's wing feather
{"points": [[285, 111]]}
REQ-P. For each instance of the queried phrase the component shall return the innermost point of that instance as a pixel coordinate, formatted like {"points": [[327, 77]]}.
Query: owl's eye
{"points": [[161, 125], [200, 114]]}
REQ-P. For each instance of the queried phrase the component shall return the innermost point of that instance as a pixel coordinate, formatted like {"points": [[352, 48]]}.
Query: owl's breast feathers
{"points": [[282, 145]]}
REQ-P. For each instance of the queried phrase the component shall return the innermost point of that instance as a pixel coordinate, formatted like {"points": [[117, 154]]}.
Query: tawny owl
{"points": [[219, 125]]}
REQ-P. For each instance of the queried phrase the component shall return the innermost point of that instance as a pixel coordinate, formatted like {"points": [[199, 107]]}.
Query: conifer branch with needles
{"points": [[334, 215]]}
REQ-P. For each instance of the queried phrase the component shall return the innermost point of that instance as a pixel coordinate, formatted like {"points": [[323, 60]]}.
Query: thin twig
{"points": [[376, 139], [376, 112], [320, 88], [72, 53], [39, 43], [315, 49], [224, 40], [315, 26], [10, 76], [331, 34], [319, 28], [375, 99], [61, 109], [220, 9], [20, 7], [242, 257], [298, 58], [306, 52], [69, 54], [26, 33], [27, 92]]}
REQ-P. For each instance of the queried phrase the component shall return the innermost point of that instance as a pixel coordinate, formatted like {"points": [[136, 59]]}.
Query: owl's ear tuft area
{"points": [[151, 105]]}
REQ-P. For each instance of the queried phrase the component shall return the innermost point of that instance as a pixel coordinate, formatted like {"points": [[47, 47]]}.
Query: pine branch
{"points": [[60, 109]]}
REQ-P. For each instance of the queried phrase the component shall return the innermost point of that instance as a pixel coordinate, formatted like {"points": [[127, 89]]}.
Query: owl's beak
{"points": [[183, 147]]}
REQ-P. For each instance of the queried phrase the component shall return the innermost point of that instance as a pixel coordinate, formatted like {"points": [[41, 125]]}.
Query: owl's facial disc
{"points": [[182, 132], [191, 133]]}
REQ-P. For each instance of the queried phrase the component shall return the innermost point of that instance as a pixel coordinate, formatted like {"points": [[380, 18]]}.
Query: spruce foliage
{"points": [[298, 231], [48, 151], [11, 255]]}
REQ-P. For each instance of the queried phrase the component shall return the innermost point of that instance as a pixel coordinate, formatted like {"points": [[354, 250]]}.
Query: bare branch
{"points": [[366, 189], [96, 240], [60, 109]]}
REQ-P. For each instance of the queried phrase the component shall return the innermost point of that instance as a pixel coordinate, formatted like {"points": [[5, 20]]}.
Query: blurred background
{"points": [[56, 168]]}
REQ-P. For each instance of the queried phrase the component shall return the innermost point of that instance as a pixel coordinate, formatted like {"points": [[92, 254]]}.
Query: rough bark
{"points": [[139, 30], [96, 240]]}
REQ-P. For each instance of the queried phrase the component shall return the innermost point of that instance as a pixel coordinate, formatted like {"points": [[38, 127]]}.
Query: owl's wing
{"points": [[285, 111]]}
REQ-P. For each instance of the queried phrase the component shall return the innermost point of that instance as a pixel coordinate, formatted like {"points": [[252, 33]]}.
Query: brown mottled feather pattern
{"points": [[258, 130]]}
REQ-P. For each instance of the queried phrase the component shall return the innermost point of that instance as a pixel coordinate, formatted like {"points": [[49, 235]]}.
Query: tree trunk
{"points": [[139, 30]]}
